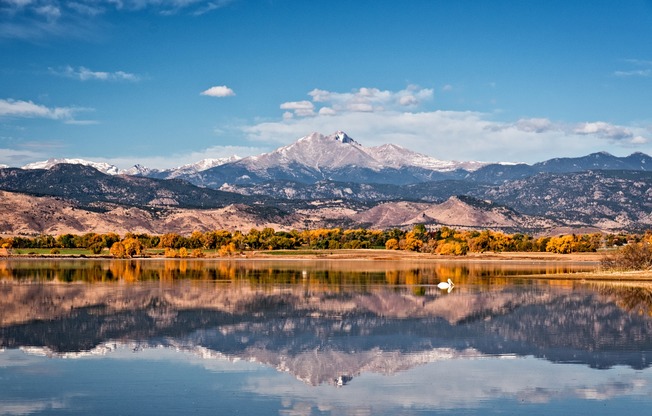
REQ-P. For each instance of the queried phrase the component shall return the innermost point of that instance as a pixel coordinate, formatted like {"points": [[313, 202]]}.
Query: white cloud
{"points": [[27, 109], [371, 99], [605, 130], [219, 91], [375, 117], [85, 74], [534, 125], [299, 108], [327, 111]]}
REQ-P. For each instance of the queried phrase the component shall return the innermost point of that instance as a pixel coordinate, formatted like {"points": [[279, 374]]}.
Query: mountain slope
{"points": [[31, 215], [454, 212], [337, 158], [498, 173], [605, 199], [89, 187]]}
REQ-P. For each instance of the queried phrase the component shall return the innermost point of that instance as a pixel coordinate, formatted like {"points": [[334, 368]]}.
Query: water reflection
{"points": [[498, 336], [275, 272]]}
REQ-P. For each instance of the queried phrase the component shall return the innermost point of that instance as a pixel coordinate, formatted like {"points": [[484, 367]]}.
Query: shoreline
{"points": [[404, 259], [346, 254]]}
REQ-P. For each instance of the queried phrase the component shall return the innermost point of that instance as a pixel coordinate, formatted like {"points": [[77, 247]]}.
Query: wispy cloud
{"points": [[168, 7], [19, 108], [84, 74], [180, 159], [39, 19], [638, 68], [28, 109], [219, 91], [634, 73], [21, 153], [374, 117]]}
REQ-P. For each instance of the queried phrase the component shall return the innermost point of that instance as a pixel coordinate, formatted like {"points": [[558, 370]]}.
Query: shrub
{"points": [[55, 251], [96, 248], [634, 256]]}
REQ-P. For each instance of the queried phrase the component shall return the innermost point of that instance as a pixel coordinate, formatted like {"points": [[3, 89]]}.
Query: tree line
{"points": [[443, 240]]}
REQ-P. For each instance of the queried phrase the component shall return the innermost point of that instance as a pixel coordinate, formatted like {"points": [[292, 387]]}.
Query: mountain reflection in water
{"points": [[324, 325]]}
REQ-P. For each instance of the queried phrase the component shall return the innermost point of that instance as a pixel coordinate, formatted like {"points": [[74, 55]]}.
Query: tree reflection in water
{"points": [[337, 324]]}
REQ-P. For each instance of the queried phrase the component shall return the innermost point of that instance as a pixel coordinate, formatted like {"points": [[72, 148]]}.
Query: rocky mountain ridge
{"points": [[338, 157], [333, 181]]}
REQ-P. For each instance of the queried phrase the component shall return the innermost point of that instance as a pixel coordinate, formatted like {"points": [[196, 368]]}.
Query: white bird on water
{"points": [[446, 285]]}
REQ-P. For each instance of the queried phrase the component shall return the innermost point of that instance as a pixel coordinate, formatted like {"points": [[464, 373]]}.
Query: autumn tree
{"points": [[392, 244], [170, 240], [133, 246], [118, 250]]}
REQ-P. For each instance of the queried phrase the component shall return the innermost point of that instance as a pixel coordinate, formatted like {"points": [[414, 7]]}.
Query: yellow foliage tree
{"points": [[227, 250], [452, 248], [133, 246], [118, 250], [391, 244], [412, 243], [562, 244]]}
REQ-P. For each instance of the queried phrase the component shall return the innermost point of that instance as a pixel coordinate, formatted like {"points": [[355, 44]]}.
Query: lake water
{"points": [[207, 337]]}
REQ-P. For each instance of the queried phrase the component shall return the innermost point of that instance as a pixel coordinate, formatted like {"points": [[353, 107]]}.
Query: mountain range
{"points": [[335, 181]]}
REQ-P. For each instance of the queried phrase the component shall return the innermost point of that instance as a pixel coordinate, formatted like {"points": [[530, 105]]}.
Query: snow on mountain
{"points": [[315, 151], [181, 171], [395, 156], [138, 170], [200, 166], [101, 166], [338, 150]]}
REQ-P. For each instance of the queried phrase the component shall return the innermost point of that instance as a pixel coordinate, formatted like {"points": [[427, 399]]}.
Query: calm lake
{"points": [[308, 337]]}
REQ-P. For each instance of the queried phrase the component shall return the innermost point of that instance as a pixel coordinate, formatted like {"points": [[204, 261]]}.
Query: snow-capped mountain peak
{"points": [[210, 163], [138, 170], [101, 166], [342, 137], [202, 165]]}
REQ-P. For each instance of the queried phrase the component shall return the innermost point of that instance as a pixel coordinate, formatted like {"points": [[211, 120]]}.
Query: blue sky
{"points": [[164, 83]]}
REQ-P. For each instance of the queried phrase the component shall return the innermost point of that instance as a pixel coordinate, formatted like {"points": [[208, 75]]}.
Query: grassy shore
{"points": [[348, 254]]}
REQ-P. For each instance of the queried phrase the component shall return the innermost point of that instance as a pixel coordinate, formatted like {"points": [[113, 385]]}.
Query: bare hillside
{"points": [[24, 214]]}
